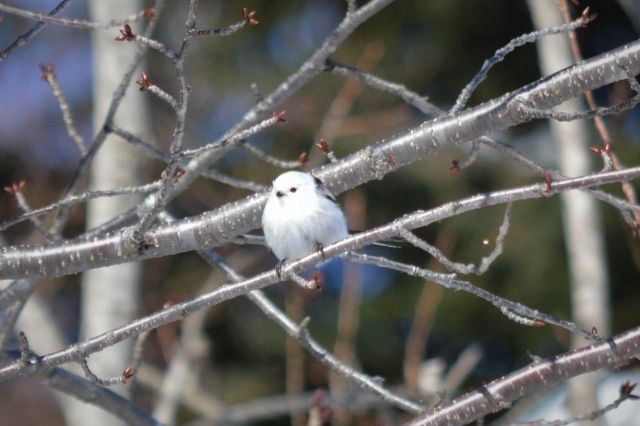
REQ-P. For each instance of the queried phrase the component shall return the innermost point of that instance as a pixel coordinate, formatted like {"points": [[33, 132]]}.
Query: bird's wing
{"points": [[323, 191]]}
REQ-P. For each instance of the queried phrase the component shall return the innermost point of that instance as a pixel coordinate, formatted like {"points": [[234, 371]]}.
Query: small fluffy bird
{"points": [[301, 216]]}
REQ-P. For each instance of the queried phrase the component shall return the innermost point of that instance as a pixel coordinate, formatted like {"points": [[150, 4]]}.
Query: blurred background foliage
{"points": [[432, 47]]}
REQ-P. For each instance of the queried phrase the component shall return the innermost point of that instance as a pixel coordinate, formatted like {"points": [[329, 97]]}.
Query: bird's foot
{"points": [[279, 268], [320, 248]]}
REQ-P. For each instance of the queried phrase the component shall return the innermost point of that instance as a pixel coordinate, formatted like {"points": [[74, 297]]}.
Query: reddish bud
{"points": [[317, 281], [391, 160], [548, 179], [318, 397], [586, 17], [323, 146], [144, 82], [126, 34], [149, 13], [302, 158], [15, 188], [594, 330], [167, 304], [178, 174], [323, 412], [596, 150], [626, 388], [538, 323], [455, 168], [128, 373], [249, 16], [281, 117], [608, 148], [47, 71]]}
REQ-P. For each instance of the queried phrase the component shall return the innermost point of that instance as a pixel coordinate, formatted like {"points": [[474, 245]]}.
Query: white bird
{"points": [[301, 216]]}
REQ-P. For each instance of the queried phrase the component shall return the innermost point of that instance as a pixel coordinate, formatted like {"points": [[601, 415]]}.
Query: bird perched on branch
{"points": [[301, 216]]}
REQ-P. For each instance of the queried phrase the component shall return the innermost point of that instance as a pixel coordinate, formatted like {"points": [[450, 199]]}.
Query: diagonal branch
{"points": [[73, 22], [24, 38], [500, 393]]}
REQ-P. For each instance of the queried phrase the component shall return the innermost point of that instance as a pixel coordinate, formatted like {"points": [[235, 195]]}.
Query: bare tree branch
{"points": [[73, 22], [26, 37], [500, 393]]}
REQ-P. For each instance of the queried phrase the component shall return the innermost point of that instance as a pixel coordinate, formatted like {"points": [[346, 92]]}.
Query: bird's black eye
{"points": [[279, 194], [293, 189]]}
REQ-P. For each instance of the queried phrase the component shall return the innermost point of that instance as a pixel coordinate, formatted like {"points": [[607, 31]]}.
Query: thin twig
{"points": [[342, 103], [158, 154], [572, 116], [411, 98], [601, 127], [83, 168], [461, 268], [145, 84], [300, 332], [171, 175], [73, 22], [16, 189], [26, 37], [269, 159], [501, 53], [458, 165], [9, 319], [326, 149], [249, 18], [17, 290], [25, 351], [49, 75], [75, 199], [95, 379], [157, 46], [238, 137], [623, 206], [136, 361], [535, 317]]}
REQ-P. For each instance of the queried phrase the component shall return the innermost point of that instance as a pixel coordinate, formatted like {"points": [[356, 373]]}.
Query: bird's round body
{"points": [[301, 216]]}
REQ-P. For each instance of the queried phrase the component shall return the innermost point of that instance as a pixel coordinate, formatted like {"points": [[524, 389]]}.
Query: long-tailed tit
{"points": [[301, 216]]}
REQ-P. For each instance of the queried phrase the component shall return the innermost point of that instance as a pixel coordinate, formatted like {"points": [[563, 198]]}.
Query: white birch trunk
{"points": [[584, 238], [110, 295]]}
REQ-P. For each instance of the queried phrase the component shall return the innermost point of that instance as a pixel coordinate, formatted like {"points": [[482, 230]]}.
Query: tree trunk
{"points": [[583, 229], [110, 295]]}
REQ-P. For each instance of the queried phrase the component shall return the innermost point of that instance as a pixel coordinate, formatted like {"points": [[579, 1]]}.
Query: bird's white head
{"points": [[293, 185]]}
